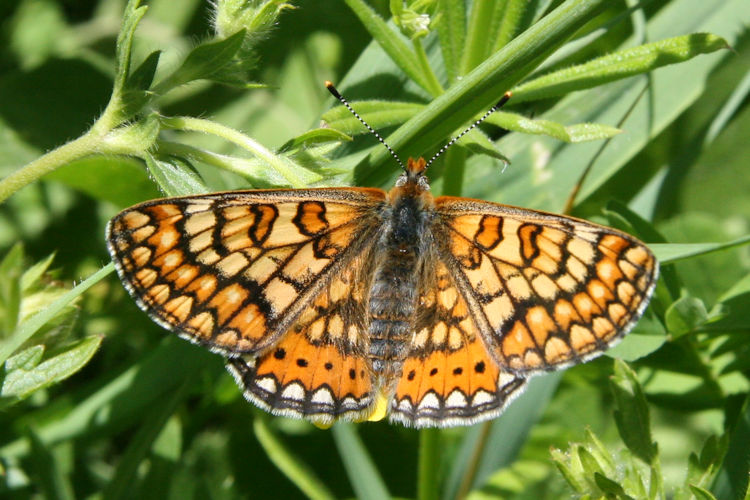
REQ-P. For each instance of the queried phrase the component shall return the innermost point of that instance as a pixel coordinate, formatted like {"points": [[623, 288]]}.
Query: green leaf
{"points": [[631, 413], [33, 274], [315, 136], [610, 487], [516, 17], [674, 252], [543, 172], [132, 16], [590, 464], [484, 22], [10, 289], [618, 65], [27, 359], [478, 143], [485, 449], [174, 178], [143, 76], [204, 62], [733, 306], [378, 114], [564, 465], [702, 470], [452, 34], [648, 336], [479, 90], [685, 315], [701, 493], [136, 92], [732, 478], [25, 330], [293, 468], [124, 400], [580, 132], [21, 382], [390, 41], [123, 180]]}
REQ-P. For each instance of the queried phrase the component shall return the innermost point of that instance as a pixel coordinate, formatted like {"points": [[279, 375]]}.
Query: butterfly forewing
{"points": [[545, 290], [234, 270]]}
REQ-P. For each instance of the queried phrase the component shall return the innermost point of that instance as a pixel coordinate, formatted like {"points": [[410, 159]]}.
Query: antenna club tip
{"points": [[332, 90], [507, 95]]}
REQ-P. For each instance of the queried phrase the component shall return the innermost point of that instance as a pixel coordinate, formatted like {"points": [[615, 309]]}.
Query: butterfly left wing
{"points": [[319, 370], [232, 271], [545, 290], [448, 377]]}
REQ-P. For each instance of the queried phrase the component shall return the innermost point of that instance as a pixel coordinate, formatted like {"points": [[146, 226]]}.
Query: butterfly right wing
{"points": [[546, 290], [233, 271], [448, 376]]}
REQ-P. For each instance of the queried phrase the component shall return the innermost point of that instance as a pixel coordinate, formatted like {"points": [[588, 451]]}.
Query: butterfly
{"points": [[351, 303]]}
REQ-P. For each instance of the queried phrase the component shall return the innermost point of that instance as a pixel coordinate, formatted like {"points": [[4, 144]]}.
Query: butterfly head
{"points": [[413, 178]]}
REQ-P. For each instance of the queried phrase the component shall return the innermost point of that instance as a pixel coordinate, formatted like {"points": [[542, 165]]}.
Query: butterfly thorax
{"points": [[399, 255]]}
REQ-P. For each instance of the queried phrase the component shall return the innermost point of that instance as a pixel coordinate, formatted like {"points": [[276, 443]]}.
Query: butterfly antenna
{"points": [[338, 96], [494, 108]]}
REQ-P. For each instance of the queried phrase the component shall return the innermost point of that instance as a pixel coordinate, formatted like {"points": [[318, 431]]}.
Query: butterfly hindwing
{"points": [[448, 377], [545, 290], [318, 370], [234, 270]]}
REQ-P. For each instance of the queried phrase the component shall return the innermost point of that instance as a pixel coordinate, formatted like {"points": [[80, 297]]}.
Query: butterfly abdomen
{"points": [[393, 293]]}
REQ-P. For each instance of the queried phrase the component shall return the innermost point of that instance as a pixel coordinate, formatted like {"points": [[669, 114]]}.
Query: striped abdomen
{"points": [[393, 293]]}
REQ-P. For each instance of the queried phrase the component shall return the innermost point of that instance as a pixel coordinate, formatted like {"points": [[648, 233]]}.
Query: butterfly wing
{"points": [[545, 290], [318, 370], [448, 376], [233, 271]]}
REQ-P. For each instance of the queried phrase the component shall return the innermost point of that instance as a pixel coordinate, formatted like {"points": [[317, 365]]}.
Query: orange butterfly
{"points": [[329, 301]]}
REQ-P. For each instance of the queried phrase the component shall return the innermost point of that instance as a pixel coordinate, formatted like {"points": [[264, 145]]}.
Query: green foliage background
{"points": [[97, 401]]}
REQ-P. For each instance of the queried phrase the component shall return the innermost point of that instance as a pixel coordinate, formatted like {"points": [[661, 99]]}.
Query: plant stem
{"points": [[455, 167], [73, 150], [429, 462], [424, 67], [288, 463], [283, 166], [471, 469]]}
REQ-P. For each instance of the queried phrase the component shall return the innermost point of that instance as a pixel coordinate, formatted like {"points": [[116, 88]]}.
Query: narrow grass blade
{"points": [[516, 17], [28, 328], [732, 479], [365, 479], [53, 483], [620, 64], [483, 23], [121, 485], [504, 439], [292, 467], [452, 34], [389, 40], [669, 253]]}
